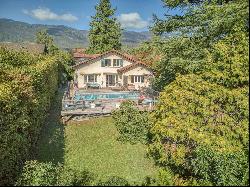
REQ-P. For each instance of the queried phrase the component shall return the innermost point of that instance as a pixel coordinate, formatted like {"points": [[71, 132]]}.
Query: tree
{"points": [[105, 31], [198, 29], [132, 124], [200, 126], [42, 37]]}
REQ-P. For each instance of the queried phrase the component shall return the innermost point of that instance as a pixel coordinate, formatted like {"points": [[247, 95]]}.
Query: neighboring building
{"points": [[26, 47], [111, 69]]}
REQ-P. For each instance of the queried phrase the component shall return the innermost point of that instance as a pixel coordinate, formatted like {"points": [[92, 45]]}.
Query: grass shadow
{"points": [[50, 145]]}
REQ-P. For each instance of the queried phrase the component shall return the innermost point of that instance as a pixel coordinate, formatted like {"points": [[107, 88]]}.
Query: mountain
{"points": [[64, 37]]}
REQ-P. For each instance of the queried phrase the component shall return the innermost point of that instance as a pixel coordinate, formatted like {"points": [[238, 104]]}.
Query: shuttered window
{"points": [[137, 78], [85, 78], [102, 63], [105, 62], [132, 78], [117, 63]]}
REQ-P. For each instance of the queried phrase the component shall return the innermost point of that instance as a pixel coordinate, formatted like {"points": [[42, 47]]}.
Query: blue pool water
{"points": [[94, 96]]}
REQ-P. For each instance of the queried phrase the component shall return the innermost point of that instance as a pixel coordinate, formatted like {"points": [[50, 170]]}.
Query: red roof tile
{"points": [[126, 68]]}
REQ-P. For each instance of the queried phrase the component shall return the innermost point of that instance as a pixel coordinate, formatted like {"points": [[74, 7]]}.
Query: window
{"points": [[106, 62], [117, 62], [90, 78], [137, 78], [111, 80]]}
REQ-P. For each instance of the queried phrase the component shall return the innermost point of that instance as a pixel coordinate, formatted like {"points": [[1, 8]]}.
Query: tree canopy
{"points": [[42, 37], [105, 31], [200, 126]]}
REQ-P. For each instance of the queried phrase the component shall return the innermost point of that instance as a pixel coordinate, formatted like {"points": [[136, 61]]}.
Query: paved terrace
{"points": [[79, 109]]}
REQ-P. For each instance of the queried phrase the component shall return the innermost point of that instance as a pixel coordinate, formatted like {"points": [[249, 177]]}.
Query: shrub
{"points": [[164, 177], [38, 174], [70, 177], [47, 174], [132, 124]]}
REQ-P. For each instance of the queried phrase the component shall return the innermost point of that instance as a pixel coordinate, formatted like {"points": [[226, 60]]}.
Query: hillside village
{"points": [[112, 107]]}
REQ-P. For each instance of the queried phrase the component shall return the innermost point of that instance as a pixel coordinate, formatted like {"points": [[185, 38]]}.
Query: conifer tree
{"points": [[105, 31]]}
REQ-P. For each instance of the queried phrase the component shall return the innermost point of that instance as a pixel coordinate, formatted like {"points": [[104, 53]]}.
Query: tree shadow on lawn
{"points": [[50, 145]]}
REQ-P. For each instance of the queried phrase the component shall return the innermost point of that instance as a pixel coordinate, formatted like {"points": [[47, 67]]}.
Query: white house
{"points": [[111, 69]]}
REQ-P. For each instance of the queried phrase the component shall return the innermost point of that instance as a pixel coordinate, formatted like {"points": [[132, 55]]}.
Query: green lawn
{"points": [[92, 145]]}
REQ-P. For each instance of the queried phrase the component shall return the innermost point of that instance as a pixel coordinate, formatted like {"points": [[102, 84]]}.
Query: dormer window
{"points": [[106, 62], [117, 62]]}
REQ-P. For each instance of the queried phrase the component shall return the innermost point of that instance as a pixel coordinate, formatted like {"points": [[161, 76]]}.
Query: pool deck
{"points": [[94, 112], [81, 109], [98, 110]]}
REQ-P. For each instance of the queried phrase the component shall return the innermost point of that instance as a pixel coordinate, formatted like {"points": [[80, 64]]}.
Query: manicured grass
{"points": [[93, 145], [50, 145]]}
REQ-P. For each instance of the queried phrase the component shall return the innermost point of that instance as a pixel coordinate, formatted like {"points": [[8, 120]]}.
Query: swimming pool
{"points": [[113, 95]]}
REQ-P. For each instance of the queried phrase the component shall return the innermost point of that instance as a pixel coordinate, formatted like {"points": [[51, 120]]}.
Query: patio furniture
{"points": [[118, 87], [68, 106], [92, 105], [98, 104], [80, 104], [147, 101], [93, 85]]}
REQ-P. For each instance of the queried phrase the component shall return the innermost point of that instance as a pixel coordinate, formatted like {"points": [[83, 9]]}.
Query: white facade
{"points": [[129, 74]]}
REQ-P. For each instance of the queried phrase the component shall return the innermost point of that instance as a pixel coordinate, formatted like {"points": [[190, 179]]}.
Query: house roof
{"points": [[123, 55], [131, 66]]}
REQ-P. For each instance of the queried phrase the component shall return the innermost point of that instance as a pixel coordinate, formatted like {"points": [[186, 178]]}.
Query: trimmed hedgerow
{"points": [[27, 86]]}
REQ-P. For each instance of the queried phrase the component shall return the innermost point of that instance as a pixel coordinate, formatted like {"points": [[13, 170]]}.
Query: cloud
{"points": [[47, 14], [132, 21]]}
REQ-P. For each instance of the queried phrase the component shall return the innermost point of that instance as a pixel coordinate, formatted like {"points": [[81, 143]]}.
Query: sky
{"points": [[134, 15]]}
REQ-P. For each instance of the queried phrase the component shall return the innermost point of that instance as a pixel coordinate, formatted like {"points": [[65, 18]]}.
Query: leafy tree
{"points": [[66, 61], [199, 28], [132, 124], [194, 114], [42, 37], [105, 31], [149, 52], [200, 127], [65, 58]]}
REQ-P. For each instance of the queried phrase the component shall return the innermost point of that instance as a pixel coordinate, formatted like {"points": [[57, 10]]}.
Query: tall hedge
{"points": [[27, 85]]}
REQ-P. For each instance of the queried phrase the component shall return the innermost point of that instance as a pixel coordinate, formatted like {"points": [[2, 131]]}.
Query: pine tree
{"points": [[105, 31]]}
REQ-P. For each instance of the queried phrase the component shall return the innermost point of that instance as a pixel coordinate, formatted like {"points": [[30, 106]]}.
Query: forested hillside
{"points": [[64, 37]]}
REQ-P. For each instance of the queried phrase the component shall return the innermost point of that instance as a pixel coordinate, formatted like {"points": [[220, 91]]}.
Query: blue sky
{"points": [[133, 14]]}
